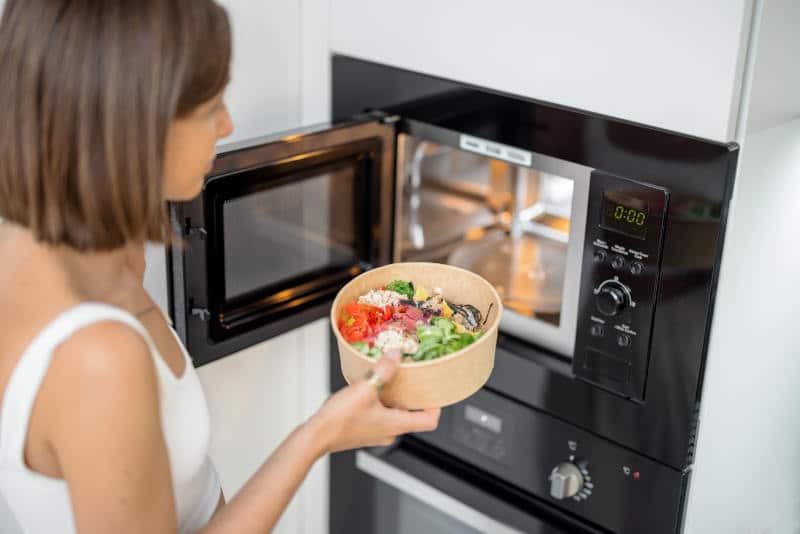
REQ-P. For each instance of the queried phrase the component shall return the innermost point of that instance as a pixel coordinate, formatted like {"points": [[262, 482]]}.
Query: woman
{"points": [[109, 109]]}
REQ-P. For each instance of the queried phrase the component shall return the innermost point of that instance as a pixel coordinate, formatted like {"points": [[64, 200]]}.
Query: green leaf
{"points": [[428, 332], [433, 352], [402, 287], [360, 346], [467, 338], [454, 345], [445, 324]]}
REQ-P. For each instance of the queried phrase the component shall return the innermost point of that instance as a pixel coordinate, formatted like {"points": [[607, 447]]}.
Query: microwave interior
{"points": [[519, 227]]}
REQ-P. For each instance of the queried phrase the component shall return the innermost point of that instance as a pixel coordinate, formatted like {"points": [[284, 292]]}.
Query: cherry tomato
{"points": [[356, 332], [376, 316]]}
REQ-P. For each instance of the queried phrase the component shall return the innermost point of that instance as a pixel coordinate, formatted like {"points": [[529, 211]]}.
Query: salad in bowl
{"points": [[444, 321]]}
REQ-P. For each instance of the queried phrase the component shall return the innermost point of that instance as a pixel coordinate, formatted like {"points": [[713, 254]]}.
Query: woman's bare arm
{"points": [[353, 417], [105, 430], [107, 436]]}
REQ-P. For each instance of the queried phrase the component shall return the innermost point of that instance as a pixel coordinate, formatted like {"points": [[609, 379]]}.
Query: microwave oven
{"points": [[574, 232]]}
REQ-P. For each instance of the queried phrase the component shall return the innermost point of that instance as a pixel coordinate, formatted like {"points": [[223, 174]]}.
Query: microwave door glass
{"points": [[301, 227], [507, 223]]}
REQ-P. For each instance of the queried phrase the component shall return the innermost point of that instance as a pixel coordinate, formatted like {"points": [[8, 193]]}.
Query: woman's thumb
{"points": [[388, 364]]}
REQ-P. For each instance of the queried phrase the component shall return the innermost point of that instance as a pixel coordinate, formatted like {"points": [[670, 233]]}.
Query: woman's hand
{"points": [[354, 417]]}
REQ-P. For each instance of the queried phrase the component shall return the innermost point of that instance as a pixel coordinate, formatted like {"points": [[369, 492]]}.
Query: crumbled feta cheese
{"points": [[393, 339], [380, 298]]}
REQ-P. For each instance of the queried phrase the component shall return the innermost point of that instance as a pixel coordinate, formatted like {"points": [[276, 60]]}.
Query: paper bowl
{"points": [[433, 383]]}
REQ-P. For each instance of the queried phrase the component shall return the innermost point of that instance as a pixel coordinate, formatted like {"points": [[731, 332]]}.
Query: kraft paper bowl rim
{"points": [[494, 322]]}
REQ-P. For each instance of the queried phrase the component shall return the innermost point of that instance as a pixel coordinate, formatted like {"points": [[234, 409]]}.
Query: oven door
{"points": [[282, 224], [411, 488]]}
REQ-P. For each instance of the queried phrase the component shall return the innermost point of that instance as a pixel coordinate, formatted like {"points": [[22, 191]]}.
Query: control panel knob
{"points": [[599, 256], [611, 299], [566, 481]]}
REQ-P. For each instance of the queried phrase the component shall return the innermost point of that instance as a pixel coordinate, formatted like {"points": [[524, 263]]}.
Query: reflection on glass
{"points": [[284, 232], [399, 513], [507, 223]]}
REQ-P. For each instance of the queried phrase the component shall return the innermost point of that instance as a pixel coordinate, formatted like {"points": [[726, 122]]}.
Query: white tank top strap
{"points": [[26, 378]]}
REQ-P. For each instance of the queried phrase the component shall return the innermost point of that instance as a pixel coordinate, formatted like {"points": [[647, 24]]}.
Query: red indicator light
{"points": [[636, 475]]}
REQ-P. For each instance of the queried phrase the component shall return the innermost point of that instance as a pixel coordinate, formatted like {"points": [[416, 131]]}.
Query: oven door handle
{"points": [[414, 487]]}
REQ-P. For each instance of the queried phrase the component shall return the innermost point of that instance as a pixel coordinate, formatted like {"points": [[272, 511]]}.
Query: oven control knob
{"points": [[566, 481], [612, 299]]}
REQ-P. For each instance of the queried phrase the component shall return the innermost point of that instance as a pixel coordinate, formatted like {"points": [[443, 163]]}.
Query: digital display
{"points": [[624, 213]]}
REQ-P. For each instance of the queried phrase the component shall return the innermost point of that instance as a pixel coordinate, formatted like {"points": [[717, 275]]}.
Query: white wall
{"points": [[256, 398], [280, 80], [264, 94], [748, 454], [673, 64]]}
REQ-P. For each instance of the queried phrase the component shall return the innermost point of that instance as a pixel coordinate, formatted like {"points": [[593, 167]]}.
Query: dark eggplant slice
{"points": [[470, 315]]}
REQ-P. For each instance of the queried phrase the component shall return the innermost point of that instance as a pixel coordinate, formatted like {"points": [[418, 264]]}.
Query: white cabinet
{"points": [[674, 65], [280, 72], [256, 397]]}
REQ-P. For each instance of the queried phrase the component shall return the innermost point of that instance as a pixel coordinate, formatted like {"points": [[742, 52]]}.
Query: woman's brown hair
{"points": [[87, 92]]}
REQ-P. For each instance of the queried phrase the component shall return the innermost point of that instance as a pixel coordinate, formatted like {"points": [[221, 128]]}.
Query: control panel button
{"points": [[618, 262], [623, 340], [600, 256], [636, 268], [566, 481], [597, 330], [611, 299]]}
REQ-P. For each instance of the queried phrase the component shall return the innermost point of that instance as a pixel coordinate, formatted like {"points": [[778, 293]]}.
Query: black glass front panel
{"points": [[280, 233], [622, 251], [396, 512], [697, 173]]}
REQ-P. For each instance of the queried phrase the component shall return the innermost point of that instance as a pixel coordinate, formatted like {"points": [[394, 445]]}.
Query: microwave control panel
{"points": [[619, 279]]}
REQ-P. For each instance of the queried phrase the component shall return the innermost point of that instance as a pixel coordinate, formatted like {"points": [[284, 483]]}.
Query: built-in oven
{"points": [[602, 237], [496, 466]]}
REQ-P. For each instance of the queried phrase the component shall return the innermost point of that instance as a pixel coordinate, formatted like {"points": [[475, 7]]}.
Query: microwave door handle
{"points": [[413, 487]]}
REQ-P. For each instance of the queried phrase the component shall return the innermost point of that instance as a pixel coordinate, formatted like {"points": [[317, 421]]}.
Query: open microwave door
{"points": [[281, 225]]}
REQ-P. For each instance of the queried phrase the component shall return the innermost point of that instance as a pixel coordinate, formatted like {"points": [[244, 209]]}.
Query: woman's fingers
{"points": [[404, 421], [386, 442], [397, 421], [387, 365]]}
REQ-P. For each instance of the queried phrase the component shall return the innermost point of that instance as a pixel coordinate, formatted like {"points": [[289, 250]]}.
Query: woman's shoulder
{"points": [[103, 370], [87, 339], [101, 394], [96, 363], [105, 349], [93, 378], [85, 351]]}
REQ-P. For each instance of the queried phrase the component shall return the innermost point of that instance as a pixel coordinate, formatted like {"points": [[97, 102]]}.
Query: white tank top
{"points": [[40, 503]]}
